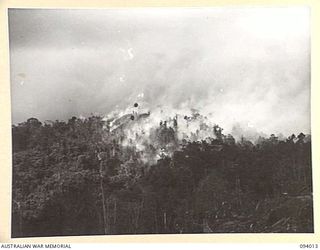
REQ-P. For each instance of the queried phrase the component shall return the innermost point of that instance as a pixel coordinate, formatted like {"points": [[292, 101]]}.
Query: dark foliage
{"points": [[66, 182]]}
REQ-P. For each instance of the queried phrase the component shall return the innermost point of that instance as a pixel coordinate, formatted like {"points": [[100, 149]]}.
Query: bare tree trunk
{"points": [[108, 216], [103, 202]]}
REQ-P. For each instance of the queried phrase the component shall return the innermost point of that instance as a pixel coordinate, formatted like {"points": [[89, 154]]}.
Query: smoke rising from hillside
{"points": [[241, 67]]}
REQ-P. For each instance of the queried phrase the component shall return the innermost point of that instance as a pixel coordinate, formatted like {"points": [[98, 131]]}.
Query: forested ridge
{"points": [[70, 179]]}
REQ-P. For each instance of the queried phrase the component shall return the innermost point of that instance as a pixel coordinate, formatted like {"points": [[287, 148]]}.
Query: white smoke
{"points": [[156, 132]]}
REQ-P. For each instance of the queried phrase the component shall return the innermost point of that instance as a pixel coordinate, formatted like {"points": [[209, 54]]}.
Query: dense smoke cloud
{"points": [[241, 67]]}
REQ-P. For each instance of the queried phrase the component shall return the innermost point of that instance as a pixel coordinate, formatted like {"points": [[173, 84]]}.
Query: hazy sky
{"points": [[243, 65]]}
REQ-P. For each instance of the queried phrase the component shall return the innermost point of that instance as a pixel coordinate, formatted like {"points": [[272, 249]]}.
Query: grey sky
{"points": [[243, 65]]}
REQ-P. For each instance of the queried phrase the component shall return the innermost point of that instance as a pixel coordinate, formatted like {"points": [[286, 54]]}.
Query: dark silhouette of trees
{"points": [[68, 179]]}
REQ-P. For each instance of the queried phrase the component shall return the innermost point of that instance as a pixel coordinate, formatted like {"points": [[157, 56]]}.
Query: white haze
{"points": [[246, 69]]}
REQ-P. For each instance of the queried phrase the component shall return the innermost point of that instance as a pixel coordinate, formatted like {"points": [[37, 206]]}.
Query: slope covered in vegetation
{"points": [[82, 177]]}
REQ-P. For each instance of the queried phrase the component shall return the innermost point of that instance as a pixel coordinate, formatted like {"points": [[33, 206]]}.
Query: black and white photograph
{"points": [[135, 121]]}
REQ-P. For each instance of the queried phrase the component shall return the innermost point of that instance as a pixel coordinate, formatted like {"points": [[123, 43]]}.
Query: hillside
{"points": [[120, 175]]}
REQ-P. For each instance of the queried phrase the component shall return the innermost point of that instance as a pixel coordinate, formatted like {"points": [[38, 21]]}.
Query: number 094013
{"points": [[308, 246]]}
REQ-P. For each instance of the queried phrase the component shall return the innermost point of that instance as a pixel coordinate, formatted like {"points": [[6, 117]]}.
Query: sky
{"points": [[247, 66]]}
